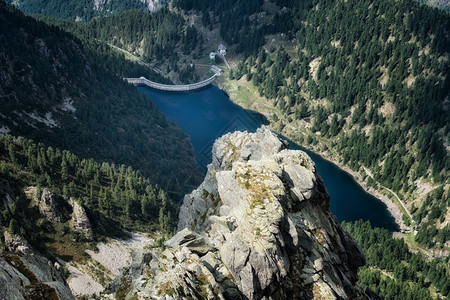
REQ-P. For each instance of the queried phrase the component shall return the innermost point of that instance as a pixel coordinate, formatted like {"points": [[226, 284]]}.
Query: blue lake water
{"points": [[207, 114]]}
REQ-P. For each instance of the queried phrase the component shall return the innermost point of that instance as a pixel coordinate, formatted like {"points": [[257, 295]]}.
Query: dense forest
{"points": [[233, 19], [59, 91], [368, 79], [115, 197], [393, 272], [80, 10], [441, 4], [161, 37]]}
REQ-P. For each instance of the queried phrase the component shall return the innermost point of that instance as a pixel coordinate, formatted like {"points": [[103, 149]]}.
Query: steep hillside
{"points": [[84, 10], [115, 197], [163, 39], [57, 91], [393, 271], [62, 217], [441, 4], [365, 83], [232, 17]]}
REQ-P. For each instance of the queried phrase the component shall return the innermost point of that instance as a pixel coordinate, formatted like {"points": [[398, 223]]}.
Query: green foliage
{"points": [[392, 271], [441, 4], [111, 194], [236, 28], [78, 9], [372, 76], [97, 114], [13, 227], [433, 210], [153, 37]]}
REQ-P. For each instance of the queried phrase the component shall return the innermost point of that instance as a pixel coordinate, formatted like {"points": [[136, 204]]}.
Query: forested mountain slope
{"points": [[368, 80], [152, 36], [115, 198], [84, 10], [54, 206], [233, 19], [441, 4], [393, 271], [56, 91], [160, 38]]}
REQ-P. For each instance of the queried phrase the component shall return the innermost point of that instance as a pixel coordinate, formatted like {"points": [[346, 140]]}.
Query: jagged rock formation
{"points": [[25, 274], [80, 220], [258, 227], [53, 207]]}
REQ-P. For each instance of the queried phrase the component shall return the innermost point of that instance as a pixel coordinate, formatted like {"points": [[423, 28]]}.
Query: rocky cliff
{"points": [[25, 274], [258, 227]]}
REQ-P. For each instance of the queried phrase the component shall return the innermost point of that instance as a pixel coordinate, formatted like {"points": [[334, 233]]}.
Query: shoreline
{"points": [[392, 207]]}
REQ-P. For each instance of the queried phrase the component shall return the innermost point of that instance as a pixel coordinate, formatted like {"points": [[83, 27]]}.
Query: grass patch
{"points": [[166, 289], [65, 245], [253, 182]]}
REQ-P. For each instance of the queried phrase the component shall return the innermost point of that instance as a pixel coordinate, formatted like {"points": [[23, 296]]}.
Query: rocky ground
{"points": [[106, 263], [25, 274]]}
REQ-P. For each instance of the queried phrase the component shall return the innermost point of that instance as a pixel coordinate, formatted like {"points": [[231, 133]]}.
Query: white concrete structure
{"points": [[171, 88]]}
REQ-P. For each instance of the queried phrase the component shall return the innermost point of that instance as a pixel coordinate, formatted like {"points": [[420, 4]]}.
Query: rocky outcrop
{"points": [[258, 227], [153, 4], [6, 195], [80, 220], [53, 207], [25, 274]]}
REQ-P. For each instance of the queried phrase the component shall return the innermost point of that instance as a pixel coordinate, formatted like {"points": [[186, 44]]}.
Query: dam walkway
{"points": [[175, 87]]}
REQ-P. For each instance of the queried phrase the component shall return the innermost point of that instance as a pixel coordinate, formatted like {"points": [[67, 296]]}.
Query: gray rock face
{"points": [[6, 195], [53, 207], [80, 220], [258, 227], [25, 274]]}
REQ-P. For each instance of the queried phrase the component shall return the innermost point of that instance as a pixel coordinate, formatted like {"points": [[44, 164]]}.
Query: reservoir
{"points": [[208, 114]]}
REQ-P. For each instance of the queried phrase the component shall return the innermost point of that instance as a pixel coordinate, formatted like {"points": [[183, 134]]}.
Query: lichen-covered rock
{"points": [[258, 227]]}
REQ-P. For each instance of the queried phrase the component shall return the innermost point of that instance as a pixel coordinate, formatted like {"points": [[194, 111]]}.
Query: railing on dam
{"points": [[171, 88]]}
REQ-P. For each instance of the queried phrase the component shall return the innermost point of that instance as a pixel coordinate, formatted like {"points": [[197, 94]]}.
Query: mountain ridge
{"points": [[258, 227]]}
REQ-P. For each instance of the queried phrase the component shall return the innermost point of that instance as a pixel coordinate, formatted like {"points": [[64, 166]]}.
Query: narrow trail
{"points": [[225, 60], [401, 202], [393, 193]]}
